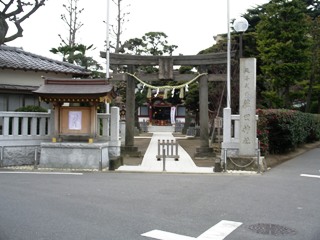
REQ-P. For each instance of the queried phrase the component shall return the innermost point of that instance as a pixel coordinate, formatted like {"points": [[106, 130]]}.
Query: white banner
{"points": [[173, 115]]}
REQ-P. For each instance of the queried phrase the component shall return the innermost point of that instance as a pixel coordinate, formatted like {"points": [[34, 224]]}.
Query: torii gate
{"points": [[166, 72]]}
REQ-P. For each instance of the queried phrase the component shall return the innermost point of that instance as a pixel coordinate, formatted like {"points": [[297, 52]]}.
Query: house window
{"points": [[3, 102]]}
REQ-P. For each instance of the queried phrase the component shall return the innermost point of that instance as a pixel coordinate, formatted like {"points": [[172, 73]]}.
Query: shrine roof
{"points": [[18, 59], [75, 88]]}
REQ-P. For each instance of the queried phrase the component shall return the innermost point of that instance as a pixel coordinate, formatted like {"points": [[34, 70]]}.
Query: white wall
{"points": [[11, 101], [27, 78]]}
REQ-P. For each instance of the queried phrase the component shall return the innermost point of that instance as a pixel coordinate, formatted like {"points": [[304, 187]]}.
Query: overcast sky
{"points": [[189, 24]]}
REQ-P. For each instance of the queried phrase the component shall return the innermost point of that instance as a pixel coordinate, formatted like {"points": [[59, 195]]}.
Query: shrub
{"points": [[31, 108], [286, 129], [263, 133]]}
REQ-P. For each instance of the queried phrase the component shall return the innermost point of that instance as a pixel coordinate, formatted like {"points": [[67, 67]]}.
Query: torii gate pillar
{"points": [[204, 150], [129, 147]]}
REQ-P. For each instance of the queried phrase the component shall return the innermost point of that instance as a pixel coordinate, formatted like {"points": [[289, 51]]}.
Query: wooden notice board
{"points": [[75, 120]]}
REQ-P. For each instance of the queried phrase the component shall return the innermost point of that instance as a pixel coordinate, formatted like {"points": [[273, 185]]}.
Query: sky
{"points": [[189, 24]]}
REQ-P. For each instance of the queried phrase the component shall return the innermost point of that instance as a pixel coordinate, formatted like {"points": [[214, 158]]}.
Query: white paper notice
{"points": [[75, 120]]}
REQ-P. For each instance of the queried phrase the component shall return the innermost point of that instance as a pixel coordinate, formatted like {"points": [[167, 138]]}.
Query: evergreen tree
{"points": [[283, 42], [313, 85], [152, 43]]}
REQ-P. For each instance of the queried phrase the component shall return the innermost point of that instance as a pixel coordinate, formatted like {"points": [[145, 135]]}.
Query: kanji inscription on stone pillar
{"points": [[247, 105]]}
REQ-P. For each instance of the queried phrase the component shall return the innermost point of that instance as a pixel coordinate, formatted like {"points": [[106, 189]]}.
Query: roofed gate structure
{"points": [[165, 64]]}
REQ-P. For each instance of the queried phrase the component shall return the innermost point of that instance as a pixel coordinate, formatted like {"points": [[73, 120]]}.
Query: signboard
{"points": [[75, 120]]}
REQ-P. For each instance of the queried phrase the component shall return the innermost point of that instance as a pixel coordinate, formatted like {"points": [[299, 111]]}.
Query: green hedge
{"points": [[31, 108], [280, 130]]}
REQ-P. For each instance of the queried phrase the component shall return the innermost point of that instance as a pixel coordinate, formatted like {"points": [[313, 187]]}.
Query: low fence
{"points": [[170, 147], [25, 128], [21, 134]]}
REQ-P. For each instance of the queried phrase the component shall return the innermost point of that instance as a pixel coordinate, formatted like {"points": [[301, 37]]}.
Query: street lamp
{"points": [[240, 25]]}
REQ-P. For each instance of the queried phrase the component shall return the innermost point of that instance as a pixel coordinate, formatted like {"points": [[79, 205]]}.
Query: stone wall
{"points": [[19, 156]]}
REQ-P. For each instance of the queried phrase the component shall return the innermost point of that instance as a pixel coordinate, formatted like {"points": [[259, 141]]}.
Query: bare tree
{"points": [[15, 11], [72, 51], [118, 29], [72, 21], [68, 45]]}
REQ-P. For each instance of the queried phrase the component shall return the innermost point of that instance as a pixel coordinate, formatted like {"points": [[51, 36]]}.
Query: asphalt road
{"points": [[279, 204]]}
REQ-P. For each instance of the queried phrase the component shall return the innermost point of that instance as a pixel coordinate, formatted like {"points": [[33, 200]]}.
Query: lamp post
{"points": [[228, 57], [107, 52], [240, 25], [107, 42]]}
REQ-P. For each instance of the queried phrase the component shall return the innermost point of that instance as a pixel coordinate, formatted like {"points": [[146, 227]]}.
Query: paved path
{"points": [[150, 163]]}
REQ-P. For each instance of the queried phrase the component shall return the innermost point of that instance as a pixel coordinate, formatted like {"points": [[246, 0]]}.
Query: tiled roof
{"points": [[18, 59], [75, 90], [74, 87]]}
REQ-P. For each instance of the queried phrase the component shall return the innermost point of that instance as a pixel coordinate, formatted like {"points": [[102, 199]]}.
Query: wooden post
{"points": [[57, 129]]}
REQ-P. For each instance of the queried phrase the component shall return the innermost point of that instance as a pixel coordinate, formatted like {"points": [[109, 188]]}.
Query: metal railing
{"points": [[225, 157], [171, 148]]}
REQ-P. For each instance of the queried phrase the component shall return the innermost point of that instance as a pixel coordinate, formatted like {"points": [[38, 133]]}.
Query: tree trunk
{"points": [[309, 96], [312, 77], [286, 97], [319, 104]]}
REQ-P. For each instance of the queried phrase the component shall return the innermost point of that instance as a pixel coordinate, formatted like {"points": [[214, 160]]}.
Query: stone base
{"points": [[204, 152], [115, 162], [246, 164], [217, 165], [130, 151], [19, 155], [74, 155]]}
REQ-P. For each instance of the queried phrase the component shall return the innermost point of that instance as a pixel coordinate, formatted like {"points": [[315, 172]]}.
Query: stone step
{"points": [[160, 128]]}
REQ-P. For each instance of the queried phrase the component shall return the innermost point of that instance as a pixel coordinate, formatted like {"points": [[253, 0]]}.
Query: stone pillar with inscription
{"points": [[241, 151], [247, 105]]}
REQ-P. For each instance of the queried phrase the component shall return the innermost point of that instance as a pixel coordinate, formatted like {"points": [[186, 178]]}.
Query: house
{"points": [[21, 73]]}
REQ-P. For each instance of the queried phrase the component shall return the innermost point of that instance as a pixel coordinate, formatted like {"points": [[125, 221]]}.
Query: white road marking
{"points": [[217, 232], [309, 175], [43, 173], [220, 230], [162, 235]]}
